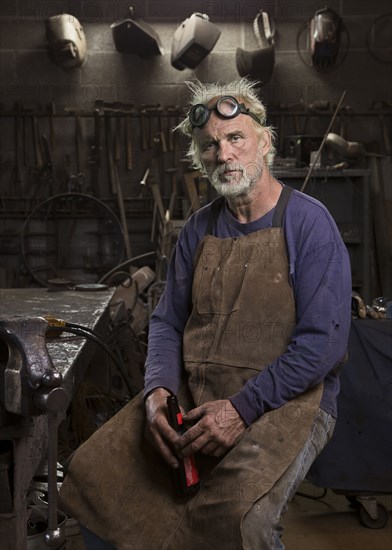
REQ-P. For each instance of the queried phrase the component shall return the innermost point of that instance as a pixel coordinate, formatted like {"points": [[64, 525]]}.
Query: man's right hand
{"points": [[163, 435]]}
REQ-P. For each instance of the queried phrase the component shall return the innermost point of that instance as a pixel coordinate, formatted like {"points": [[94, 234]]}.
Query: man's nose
{"points": [[224, 153]]}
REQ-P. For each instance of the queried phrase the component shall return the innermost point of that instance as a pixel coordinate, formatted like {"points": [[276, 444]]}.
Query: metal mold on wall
{"points": [[323, 42], [67, 41], [135, 36], [193, 41], [259, 64]]}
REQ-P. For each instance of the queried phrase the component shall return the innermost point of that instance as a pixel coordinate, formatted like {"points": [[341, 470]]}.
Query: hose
{"points": [[58, 325]]}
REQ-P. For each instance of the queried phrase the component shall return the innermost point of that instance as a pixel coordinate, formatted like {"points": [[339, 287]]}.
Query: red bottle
{"points": [[186, 476]]}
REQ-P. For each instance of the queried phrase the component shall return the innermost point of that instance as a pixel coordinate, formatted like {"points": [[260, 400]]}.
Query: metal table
{"points": [[357, 460], [24, 438]]}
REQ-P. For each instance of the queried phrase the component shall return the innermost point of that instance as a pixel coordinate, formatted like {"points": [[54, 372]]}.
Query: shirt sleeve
{"points": [[164, 363], [321, 278]]}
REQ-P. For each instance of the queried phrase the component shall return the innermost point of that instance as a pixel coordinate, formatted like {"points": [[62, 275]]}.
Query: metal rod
{"points": [[316, 157]]}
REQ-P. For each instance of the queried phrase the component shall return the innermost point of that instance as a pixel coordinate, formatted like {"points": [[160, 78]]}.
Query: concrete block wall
{"points": [[27, 73]]}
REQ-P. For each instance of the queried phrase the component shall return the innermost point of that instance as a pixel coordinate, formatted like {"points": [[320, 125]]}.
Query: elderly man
{"points": [[249, 333]]}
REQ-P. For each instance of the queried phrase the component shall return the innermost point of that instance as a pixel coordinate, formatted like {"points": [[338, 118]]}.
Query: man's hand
{"points": [[163, 435], [216, 428]]}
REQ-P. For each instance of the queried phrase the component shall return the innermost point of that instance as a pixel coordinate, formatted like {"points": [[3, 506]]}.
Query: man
{"points": [[249, 332]]}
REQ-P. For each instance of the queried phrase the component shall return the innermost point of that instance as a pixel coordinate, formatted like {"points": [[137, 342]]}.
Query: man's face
{"points": [[232, 154]]}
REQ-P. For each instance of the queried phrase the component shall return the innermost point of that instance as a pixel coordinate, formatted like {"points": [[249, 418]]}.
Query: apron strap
{"points": [[277, 220], [216, 206], [280, 207]]}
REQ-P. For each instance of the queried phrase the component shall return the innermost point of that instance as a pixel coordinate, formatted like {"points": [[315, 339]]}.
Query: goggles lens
{"points": [[226, 107]]}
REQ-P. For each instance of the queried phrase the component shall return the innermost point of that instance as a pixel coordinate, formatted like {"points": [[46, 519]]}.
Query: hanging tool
{"points": [[114, 159], [17, 144], [51, 109], [156, 193], [79, 137], [47, 172], [159, 114], [128, 141], [109, 152], [381, 107], [173, 195], [37, 144], [143, 127]]}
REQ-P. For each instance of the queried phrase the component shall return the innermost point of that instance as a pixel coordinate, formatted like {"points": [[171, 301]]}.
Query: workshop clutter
{"points": [[379, 308], [87, 184], [31, 388]]}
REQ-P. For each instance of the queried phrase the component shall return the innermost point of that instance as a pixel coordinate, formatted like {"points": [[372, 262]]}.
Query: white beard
{"points": [[241, 187]]}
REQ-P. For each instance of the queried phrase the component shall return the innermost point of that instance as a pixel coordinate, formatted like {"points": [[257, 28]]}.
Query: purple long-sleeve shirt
{"points": [[320, 276]]}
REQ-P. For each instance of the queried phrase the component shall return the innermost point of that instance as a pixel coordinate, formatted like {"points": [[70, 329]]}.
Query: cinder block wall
{"points": [[31, 80], [28, 74]]}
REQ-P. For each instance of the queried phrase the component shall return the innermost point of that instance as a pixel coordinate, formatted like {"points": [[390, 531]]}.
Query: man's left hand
{"points": [[215, 428]]}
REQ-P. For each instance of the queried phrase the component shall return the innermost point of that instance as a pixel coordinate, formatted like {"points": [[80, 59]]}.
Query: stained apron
{"points": [[243, 317]]}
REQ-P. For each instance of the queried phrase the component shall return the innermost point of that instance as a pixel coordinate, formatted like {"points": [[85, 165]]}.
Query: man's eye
{"points": [[209, 146], [236, 137]]}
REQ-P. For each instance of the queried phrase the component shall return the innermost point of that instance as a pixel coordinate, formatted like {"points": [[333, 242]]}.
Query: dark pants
{"points": [[93, 541]]}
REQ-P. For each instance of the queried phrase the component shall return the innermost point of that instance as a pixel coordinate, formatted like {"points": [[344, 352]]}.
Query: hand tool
{"points": [[37, 144], [99, 129], [109, 152], [51, 108], [143, 181], [79, 137], [380, 107], [151, 111], [47, 173], [173, 195], [156, 193], [128, 142], [158, 155], [159, 114], [117, 113], [171, 110], [186, 476], [114, 158], [17, 136], [123, 216], [143, 128]]}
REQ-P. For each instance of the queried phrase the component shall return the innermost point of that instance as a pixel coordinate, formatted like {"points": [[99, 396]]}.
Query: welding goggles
{"points": [[226, 107]]}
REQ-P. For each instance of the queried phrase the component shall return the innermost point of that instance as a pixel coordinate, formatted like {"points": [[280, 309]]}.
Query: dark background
{"points": [[31, 81]]}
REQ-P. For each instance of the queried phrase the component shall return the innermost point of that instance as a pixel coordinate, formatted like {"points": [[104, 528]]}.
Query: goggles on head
{"points": [[226, 107]]}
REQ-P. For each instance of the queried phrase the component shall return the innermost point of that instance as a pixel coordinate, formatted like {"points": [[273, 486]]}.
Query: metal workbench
{"points": [[24, 437]]}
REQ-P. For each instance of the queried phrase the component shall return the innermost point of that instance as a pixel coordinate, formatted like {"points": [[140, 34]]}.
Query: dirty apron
{"points": [[243, 316]]}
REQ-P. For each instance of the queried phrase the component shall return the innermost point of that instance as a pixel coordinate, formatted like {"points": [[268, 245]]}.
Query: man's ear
{"points": [[266, 142]]}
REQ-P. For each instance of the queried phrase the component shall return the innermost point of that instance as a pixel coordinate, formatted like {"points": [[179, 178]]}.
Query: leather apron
{"points": [[243, 316]]}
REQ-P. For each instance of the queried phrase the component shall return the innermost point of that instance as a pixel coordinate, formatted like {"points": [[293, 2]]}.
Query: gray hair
{"points": [[242, 89]]}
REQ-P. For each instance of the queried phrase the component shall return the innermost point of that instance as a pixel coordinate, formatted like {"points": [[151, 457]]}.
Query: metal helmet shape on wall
{"points": [[192, 41], [67, 40], [259, 64], [325, 34], [133, 35]]}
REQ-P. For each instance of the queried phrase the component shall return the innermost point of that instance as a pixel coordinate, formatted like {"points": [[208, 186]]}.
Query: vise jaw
{"points": [[29, 383]]}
